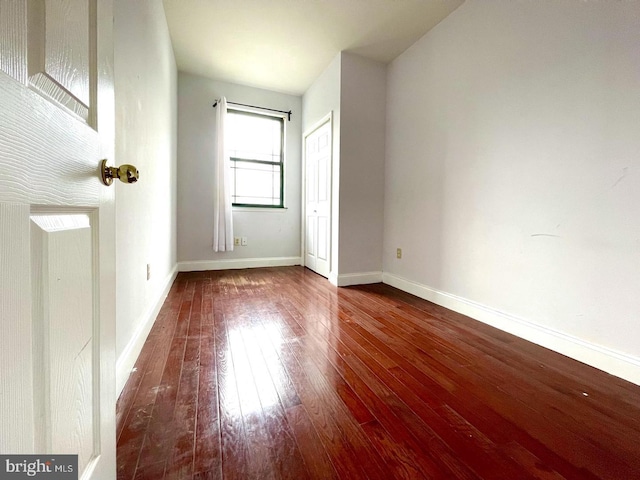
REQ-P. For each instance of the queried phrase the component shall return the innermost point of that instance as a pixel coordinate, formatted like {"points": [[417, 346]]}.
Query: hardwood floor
{"points": [[275, 373]]}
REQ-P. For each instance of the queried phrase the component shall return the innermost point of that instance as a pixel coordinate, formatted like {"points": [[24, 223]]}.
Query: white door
{"points": [[317, 241], [57, 279]]}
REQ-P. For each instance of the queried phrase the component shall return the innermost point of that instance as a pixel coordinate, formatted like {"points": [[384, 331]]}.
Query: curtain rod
{"points": [[215, 104]]}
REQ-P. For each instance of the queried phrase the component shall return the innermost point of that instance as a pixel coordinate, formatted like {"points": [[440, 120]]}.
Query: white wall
{"points": [[362, 156], [146, 132], [513, 172], [322, 98], [273, 234]]}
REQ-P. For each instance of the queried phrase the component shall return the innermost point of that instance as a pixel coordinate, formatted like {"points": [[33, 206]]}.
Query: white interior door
{"points": [[57, 279], [318, 199]]}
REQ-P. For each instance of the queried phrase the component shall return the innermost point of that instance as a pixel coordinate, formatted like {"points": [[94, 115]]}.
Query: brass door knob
{"points": [[126, 173]]}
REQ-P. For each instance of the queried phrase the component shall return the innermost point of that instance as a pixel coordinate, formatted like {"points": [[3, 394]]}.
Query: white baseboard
{"points": [[363, 278], [616, 363], [233, 264], [129, 355]]}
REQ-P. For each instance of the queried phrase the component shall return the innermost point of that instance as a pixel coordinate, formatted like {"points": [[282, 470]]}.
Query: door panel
{"points": [[323, 168], [66, 359], [323, 246], [311, 239], [59, 53], [57, 242], [312, 182]]}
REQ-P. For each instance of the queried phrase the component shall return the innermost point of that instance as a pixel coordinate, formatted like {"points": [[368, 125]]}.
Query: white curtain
{"points": [[223, 220]]}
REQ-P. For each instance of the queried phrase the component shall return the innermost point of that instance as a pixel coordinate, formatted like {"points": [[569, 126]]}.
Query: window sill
{"points": [[260, 209]]}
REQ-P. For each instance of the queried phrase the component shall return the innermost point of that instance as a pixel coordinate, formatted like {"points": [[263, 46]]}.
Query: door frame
{"points": [[328, 118]]}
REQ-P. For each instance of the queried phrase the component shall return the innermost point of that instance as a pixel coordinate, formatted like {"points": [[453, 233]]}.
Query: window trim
{"points": [[281, 119]]}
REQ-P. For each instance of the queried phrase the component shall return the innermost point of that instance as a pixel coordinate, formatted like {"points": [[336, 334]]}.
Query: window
{"points": [[255, 145]]}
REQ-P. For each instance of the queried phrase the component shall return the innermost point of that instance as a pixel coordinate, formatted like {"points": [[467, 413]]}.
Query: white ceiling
{"points": [[283, 45]]}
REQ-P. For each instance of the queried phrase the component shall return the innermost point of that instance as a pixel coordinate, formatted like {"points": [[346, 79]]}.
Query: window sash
{"points": [[275, 196], [236, 162]]}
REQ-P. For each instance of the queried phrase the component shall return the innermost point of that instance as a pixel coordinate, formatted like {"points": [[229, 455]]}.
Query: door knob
{"points": [[126, 173]]}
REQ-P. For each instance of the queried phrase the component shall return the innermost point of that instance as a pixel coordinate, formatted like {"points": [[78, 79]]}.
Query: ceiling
{"points": [[283, 45]]}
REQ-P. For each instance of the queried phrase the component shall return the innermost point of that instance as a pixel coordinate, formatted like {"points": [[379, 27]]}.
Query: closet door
{"points": [[318, 199]]}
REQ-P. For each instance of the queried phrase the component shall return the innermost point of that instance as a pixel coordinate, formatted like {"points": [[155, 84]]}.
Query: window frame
{"points": [[234, 160]]}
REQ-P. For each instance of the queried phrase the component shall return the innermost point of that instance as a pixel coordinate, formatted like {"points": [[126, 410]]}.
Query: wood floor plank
{"points": [[208, 452], [126, 400], [389, 427], [341, 435], [568, 369], [160, 434], [486, 367], [181, 458], [259, 462], [280, 377], [234, 447], [480, 346], [321, 416], [285, 455], [402, 461], [355, 406], [276, 373], [587, 456], [154, 470], [434, 389], [318, 464], [534, 464], [500, 467]]}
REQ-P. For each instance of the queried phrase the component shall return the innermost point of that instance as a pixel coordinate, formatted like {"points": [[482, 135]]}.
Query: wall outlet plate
{"points": [[244, 241], [399, 253], [236, 241]]}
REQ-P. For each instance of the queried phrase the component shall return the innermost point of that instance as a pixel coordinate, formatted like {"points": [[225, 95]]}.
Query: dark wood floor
{"points": [[274, 373]]}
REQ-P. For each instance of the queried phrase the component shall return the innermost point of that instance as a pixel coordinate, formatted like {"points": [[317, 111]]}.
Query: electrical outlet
{"points": [[236, 241], [399, 253], [244, 241], [148, 271]]}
